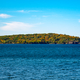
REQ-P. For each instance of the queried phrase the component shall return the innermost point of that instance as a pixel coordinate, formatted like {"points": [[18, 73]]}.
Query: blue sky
{"points": [[40, 16]]}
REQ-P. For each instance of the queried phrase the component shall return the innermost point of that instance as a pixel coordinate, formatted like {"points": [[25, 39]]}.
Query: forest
{"points": [[49, 38]]}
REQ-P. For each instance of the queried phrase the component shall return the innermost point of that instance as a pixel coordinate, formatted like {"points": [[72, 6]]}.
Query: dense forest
{"points": [[50, 38]]}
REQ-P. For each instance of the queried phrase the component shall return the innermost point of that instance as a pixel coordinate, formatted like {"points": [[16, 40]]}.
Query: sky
{"points": [[40, 16]]}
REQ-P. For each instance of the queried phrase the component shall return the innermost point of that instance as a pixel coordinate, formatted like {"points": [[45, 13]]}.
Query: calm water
{"points": [[39, 62]]}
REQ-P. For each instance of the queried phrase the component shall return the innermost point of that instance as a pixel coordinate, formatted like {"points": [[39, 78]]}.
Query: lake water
{"points": [[39, 61]]}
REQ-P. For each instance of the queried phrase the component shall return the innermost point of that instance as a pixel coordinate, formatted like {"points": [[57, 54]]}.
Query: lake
{"points": [[39, 61]]}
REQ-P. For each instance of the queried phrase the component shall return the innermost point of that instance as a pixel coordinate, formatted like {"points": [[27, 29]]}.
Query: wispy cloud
{"points": [[20, 11], [5, 16], [44, 16], [27, 11], [16, 26], [79, 20], [38, 23]]}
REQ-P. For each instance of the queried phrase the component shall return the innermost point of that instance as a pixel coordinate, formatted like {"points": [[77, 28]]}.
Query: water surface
{"points": [[39, 61]]}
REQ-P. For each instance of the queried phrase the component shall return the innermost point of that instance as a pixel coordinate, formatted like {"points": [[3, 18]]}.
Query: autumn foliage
{"points": [[50, 38]]}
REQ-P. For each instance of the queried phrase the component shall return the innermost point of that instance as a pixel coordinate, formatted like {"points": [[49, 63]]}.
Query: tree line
{"points": [[50, 38]]}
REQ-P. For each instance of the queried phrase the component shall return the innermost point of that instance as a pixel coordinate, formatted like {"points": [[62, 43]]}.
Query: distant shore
{"points": [[50, 38]]}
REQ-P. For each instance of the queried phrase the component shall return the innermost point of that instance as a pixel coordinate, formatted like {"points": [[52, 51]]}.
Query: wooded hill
{"points": [[50, 38]]}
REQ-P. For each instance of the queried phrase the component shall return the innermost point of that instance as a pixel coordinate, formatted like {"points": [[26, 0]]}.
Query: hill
{"points": [[50, 38]]}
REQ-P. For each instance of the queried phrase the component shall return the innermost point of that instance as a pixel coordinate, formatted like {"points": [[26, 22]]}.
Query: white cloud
{"points": [[5, 16], [16, 26], [27, 11], [19, 28]]}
